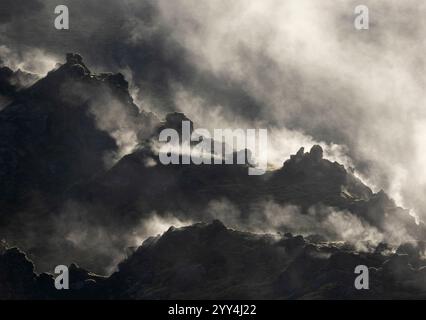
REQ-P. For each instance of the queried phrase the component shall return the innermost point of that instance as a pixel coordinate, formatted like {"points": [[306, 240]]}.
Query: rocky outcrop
{"points": [[210, 261], [64, 129], [11, 82], [57, 133]]}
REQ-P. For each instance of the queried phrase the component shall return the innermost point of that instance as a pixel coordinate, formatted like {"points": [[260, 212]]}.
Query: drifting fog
{"points": [[313, 73], [331, 224], [297, 67]]}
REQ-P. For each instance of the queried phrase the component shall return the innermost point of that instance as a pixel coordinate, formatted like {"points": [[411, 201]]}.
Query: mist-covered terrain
{"points": [[81, 182], [209, 261], [72, 197]]}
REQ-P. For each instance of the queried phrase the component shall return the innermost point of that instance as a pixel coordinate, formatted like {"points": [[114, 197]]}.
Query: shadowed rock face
{"points": [[46, 139], [53, 135], [18, 281], [209, 261], [131, 189], [11, 82], [6, 85]]}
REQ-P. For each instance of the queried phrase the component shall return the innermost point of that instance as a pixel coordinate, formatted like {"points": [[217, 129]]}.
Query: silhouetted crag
{"points": [[54, 134], [139, 184], [11, 82], [209, 261]]}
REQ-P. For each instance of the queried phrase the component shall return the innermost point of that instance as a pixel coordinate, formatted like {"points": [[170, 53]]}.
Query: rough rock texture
{"points": [[306, 181], [11, 82], [209, 261], [55, 134]]}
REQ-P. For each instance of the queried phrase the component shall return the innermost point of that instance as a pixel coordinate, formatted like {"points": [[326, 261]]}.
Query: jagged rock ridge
{"points": [[209, 261]]}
